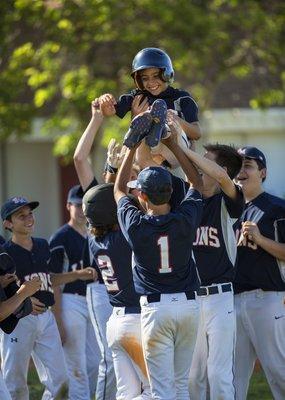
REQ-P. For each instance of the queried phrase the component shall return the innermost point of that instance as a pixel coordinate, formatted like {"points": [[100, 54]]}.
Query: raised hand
{"points": [[107, 104]]}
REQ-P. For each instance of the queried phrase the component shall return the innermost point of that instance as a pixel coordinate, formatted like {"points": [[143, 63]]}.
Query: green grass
{"points": [[258, 390]]}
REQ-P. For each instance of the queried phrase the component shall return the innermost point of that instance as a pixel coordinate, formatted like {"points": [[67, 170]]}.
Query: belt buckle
{"points": [[207, 291]]}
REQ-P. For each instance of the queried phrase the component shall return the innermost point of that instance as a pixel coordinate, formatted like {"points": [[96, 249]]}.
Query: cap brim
{"points": [[75, 201], [132, 184], [31, 204], [256, 159]]}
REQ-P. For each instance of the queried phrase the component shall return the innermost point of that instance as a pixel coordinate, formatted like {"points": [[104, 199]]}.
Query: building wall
{"points": [[32, 171], [29, 168]]}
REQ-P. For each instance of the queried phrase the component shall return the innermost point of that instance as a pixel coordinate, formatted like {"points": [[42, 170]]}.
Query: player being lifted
{"points": [[259, 284], [164, 272], [153, 73]]}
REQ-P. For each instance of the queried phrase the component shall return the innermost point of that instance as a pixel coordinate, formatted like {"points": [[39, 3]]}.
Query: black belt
{"points": [[208, 290], [132, 310], [155, 297]]}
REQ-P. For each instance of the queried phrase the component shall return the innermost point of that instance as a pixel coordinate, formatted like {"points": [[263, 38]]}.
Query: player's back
{"points": [[113, 258], [162, 246]]}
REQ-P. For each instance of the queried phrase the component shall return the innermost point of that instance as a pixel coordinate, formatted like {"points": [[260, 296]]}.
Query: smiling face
{"points": [[250, 177], [76, 213], [22, 222], [152, 82]]}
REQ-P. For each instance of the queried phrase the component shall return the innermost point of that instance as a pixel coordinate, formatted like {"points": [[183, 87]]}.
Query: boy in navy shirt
{"points": [[215, 254], [10, 306], [113, 259], [152, 72], [260, 279], [35, 335], [70, 309], [164, 272]]}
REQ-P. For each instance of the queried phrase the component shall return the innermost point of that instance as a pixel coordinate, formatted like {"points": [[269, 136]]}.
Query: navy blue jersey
{"points": [[7, 264], [162, 245], [33, 263], [176, 99], [113, 257], [89, 261], [2, 240], [256, 268], [180, 189], [215, 247], [66, 247]]}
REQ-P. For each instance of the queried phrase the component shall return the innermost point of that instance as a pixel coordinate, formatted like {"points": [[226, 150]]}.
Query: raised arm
{"points": [[215, 171], [189, 169], [123, 177], [82, 151]]}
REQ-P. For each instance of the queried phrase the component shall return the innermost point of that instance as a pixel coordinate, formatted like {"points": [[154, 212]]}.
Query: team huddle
{"points": [[168, 281]]}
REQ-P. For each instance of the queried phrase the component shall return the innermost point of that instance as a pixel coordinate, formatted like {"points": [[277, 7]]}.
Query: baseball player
{"points": [[259, 284], [35, 335], [164, 272], [2, 240], [98, 303], [113, 258], [215, 255], [11, 306], [71, 311], [152, 72]]}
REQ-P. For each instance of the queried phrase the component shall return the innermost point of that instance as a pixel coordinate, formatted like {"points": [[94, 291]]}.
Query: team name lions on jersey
{"points": [[244, 240], [45, 280], [207, 236]]}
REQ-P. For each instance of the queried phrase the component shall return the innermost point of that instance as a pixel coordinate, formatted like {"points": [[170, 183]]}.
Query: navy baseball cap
{"points": [[253, 153], [14, 204], [75, 195], [153, 180]]}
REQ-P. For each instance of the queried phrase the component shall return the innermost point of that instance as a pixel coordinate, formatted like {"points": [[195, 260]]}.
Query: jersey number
{"points": [[164, 255], [108, 274]]}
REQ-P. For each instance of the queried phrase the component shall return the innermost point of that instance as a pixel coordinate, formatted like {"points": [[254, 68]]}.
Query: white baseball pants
{"points": [[100, 310], [169, 330], [260, 334], [124, 339], [213, 357], [36, 336], [4, 394], [81, 351]]}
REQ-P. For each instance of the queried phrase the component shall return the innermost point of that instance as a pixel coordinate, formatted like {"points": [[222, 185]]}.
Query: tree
{"points": [[57, 55]]}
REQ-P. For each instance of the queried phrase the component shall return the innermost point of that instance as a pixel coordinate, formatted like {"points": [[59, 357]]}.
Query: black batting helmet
{"points": [[99, 205], [151, 57]]}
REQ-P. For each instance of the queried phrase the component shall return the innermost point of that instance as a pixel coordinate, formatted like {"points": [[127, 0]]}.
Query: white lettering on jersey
{"points": [[45, 279], [207, 236], [245, 242]]}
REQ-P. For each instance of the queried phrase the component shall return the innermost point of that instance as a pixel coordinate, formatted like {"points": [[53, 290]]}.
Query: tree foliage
{"points": [[58, 55]]}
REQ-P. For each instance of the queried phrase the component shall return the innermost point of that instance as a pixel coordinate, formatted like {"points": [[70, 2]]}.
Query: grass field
{"points": [[258, 390]]}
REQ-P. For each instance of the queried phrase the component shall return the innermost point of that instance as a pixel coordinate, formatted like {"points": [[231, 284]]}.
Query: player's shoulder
{"points": [[61, 233], [2, 250], [274, 201], [178, 92], [40, 243]]}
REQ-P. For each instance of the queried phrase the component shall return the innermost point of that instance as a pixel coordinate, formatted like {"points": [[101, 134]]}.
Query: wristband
{"points": [[111, 170]]}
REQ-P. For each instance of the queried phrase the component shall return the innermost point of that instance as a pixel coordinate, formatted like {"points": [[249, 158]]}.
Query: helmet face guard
{"points": [[152, 57]]}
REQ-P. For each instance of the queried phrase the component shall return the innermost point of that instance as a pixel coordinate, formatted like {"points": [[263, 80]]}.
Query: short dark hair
{"points": [[226, 156], [159, 198], [101, 231]]}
